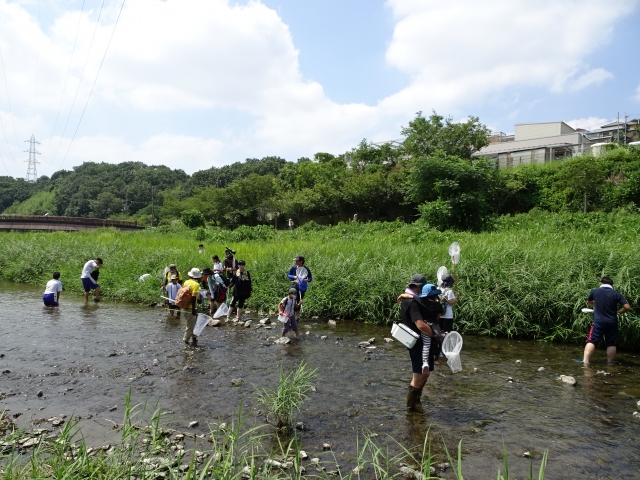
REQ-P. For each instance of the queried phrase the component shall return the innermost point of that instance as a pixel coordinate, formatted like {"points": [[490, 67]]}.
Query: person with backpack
{"points": [[287, 308], [51, 295], [168, 272], [300, 277], [448, 298], [216, 289], [413, 315], [242, 289], [230, 264], [186, 298]]}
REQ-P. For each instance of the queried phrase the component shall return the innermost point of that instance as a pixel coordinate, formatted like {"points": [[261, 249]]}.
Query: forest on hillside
{"points": [[429, 175]]}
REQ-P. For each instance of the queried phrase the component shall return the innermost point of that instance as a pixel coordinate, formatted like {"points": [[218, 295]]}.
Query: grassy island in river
{"points": [[528, 277]]}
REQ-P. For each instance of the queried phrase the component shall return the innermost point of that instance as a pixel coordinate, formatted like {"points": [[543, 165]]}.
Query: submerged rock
{"points": [[569, 380], [247, 324], [303, 455], [194, 424], [265, 321], [372, 340], [236, 382], [412, 474], [541, 369], [282, 340], [518, 362], [300, 426], [326, 446], [388, 340], [332, 323], [323, 337]]}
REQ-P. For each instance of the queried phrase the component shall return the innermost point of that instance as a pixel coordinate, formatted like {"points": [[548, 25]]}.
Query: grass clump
{"points": [[287, 397]]}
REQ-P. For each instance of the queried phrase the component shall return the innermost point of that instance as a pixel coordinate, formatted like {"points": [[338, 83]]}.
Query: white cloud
{"points": [[170, 58], [588, 123]]}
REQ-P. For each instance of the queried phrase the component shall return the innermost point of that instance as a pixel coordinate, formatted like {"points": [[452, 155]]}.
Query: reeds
{"points": [[529, 277]]}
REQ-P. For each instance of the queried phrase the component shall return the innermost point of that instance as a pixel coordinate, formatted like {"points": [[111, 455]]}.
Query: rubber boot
{"points": [[412, 397], [418, 402]]}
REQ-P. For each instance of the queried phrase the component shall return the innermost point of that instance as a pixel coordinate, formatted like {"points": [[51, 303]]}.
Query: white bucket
{"points": [[404, 335], [201, 321], [451, 346], [283, 318]]}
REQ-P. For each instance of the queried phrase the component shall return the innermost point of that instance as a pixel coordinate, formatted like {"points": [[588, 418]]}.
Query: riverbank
{"points": [[527, 278]]}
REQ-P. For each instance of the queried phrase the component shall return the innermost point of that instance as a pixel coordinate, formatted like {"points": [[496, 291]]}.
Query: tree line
{"points": [[430, 175]]}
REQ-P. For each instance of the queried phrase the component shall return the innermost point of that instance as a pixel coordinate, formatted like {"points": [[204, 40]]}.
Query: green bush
{"points": [[193, 218]]}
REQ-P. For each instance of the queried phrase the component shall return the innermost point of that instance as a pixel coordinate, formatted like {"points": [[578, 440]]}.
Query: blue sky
{"points": [[198, 83]]}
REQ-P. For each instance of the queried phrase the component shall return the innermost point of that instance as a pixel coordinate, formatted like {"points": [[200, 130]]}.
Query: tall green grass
{"points": [[529, 277]]}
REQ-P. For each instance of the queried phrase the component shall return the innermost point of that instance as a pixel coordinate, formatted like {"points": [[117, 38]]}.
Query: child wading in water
{"points": [[51, 295], [287, 307], [172, 291]]}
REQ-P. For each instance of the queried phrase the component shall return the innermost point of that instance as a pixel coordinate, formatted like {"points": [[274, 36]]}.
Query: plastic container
{"points": [[201, 321], [451, 346], [283, 318], [404, 335]]}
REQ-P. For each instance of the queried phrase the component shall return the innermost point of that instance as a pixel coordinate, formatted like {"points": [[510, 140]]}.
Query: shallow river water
{"points": [[85, 359]]}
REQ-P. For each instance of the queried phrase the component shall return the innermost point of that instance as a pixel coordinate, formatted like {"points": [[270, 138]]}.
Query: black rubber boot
{"points": [[412, 397], [418, 402]]}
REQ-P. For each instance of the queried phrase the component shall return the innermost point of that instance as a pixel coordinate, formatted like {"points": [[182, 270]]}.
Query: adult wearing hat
{"points": [[412, 315], [168, 272], [193, 283]]}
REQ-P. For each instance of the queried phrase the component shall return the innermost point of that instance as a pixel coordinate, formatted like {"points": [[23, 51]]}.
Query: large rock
{"points": [[247, 324], [265, 321], [332, 323], [215, 323], [282, 340]]}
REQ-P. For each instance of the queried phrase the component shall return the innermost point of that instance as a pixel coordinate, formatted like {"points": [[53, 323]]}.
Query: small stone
{"points": [[388, 340], [194, 424], [302, 470], [372, 340], [518, 362], [326, 446], [265, 321], [303, 455], [282, 340], [315, 317], [247, 324], [372, 347], [569, 380], [475, 369], [411, 473], [541, 369], [115, 407], [315, 460], [332, 323], [358, 470], [300, 426], [443, 466], [636, 414], [638, 403], [308, 332], [246, 472], [323, 337], [40, 393], [364, 344], [179, 437], [267, 327], [509, 379], [526, 454], [236, 382], [272, 463], [6, 371], [215, 323]]}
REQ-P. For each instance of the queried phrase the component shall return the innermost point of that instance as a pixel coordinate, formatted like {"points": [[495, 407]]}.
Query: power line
{"points": [[3, 164], [64, 88], [4, 72], [94, 83], [79, 83]]}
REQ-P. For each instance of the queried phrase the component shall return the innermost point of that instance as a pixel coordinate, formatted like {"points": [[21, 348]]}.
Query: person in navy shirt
{"points": [[300, 277], [605, 301]]}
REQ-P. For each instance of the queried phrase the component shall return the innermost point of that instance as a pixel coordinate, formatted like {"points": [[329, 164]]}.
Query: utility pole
{"points": [[153, 194], [625, 128], [618, 130], [32, 171]]}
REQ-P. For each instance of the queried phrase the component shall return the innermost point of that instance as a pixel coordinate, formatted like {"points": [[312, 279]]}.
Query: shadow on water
{"points": [[85, 358]]}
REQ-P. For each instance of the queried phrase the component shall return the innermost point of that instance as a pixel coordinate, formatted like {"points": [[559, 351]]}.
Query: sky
{"points": [[193, 84]]}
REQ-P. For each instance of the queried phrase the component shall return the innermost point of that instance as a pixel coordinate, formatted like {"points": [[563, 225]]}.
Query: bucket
{"points": [[404, 335], [201, 321], [283, 318], [451, 346]]}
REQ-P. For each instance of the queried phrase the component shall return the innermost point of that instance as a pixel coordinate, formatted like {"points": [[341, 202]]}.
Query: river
{"points": [[85, 359]]}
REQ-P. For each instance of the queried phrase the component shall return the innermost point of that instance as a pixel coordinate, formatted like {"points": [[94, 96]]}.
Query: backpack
{"points": [[183, 298], [443, 300]]}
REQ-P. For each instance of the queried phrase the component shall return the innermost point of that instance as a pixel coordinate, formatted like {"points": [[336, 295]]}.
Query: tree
{"points": [[426, 135], [582, 175], [193, 218]]}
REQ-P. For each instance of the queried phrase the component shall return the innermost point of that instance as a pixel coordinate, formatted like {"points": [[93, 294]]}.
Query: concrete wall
{"points": [[529, 131]]}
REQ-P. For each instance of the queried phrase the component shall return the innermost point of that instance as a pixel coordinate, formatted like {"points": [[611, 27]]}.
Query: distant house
{"points": [[535, 143], [615, 131]]}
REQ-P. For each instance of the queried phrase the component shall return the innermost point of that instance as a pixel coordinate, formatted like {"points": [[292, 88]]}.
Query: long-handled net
{"points": [[451, 346], [201, 321]]}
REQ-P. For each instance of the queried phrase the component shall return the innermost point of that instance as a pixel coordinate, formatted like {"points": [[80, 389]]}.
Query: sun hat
{"points": [[299, 257], [207, 271], [241, 262], [173, 277], [417, 279], [448, 280], [195, 273], [293, 291], [429, 290], [173, 266]]}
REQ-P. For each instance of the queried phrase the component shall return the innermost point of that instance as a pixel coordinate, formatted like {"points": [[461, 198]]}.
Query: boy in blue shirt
{"points": [[605, 301]]}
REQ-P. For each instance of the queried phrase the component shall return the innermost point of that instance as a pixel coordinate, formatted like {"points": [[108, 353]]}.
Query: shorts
{"points": [[446, 324], [239, 300], [88, 284], [49, 300], [415, 354], [290, 324], [608, 330]]}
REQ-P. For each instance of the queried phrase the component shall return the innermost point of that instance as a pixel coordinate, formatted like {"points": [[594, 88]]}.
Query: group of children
{"points": [[89, 278]]}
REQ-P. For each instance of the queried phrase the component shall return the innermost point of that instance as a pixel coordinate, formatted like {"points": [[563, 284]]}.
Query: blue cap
{"points": [[429, 290]]}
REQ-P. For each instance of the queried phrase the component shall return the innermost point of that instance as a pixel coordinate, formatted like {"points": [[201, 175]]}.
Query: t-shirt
{"points": [[409, 314], [172, 291], [217, 267], [449, 295], [606, 304], [53, 286], [88, 269], [289, 305]]}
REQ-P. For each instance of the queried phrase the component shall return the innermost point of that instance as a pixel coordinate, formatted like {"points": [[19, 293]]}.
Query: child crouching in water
{"points": [[287, 307]]}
